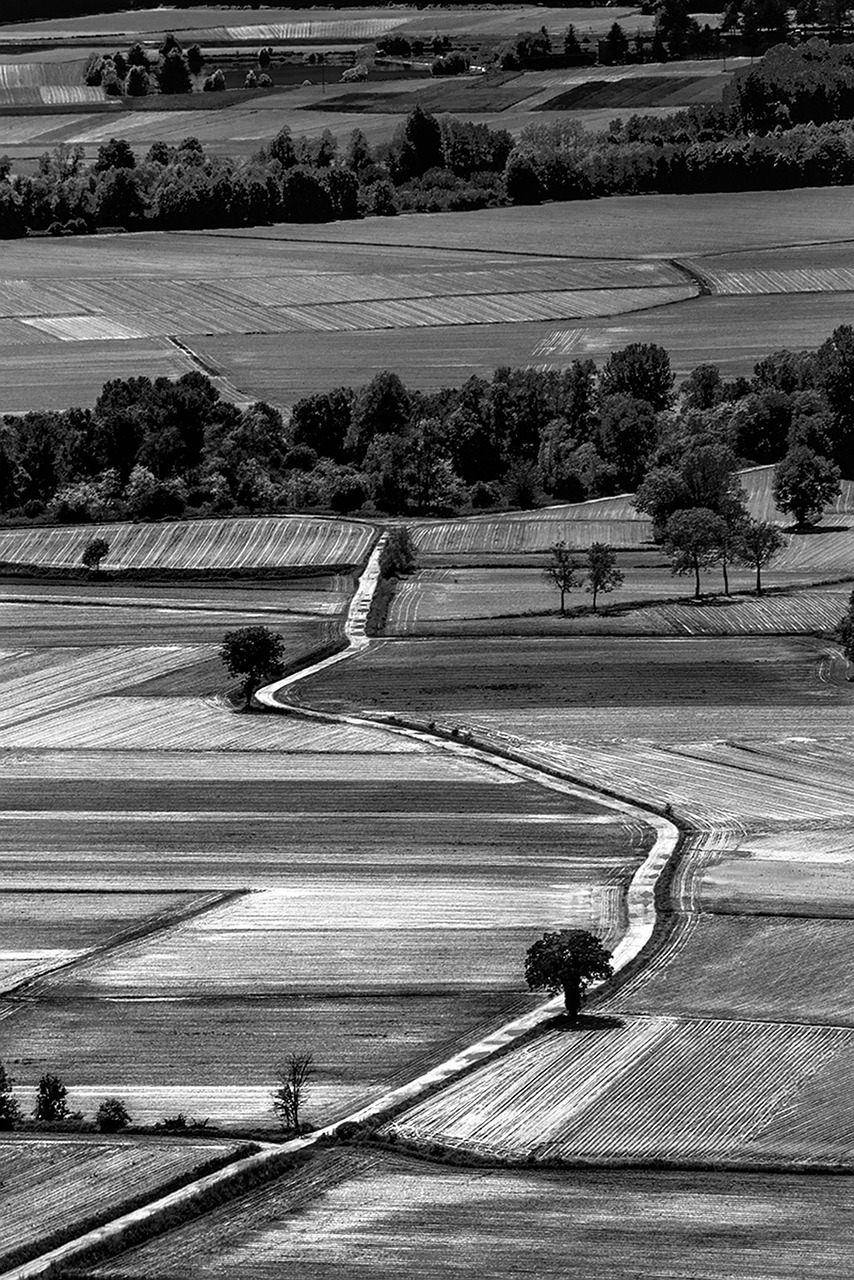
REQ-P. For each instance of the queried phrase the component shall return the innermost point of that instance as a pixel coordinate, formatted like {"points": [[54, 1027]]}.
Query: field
{"points": [[388, 887], [49, 1185], [399, 1216], [254, 542], [268, 307]]}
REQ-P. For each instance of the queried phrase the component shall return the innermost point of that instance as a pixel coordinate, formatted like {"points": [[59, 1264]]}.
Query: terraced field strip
{"points": [[51, 1184], [80, 675], [414, 1218], [649, 1088], [802, 872], [606, 520], [807, 612], [245, 542]]}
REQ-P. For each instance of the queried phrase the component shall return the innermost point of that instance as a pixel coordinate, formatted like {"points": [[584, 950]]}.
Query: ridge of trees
{"points": [[161, 449]]}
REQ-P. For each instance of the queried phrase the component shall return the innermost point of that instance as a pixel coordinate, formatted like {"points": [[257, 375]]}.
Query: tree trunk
{"points": [[696, 578], [726, 577], [572, 997], [595, 594], [562, 602], [249, 692], [758, 578]]}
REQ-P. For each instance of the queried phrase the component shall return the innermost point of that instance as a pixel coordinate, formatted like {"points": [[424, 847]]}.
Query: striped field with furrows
{"points": [[245, 542], [399, 1216], [50, 1184], [652, 1088]]}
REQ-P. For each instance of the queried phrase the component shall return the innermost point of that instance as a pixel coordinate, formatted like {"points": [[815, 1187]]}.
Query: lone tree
{"points": [[112, 1116], [845, 630], [804, 483], [253, 655], [51, 1099], [10, 1111], [692, 539], [602, 572], [398, 554], [757, 545], [567, 962], [289, 1094], [562, 571], [96, 550]]}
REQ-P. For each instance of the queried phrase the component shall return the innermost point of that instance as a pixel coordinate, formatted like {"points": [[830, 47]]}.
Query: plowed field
{"points": [[410, 1217]]}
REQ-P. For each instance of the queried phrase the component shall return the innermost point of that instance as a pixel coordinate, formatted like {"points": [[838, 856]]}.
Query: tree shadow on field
{"points": [[584, 1022], [813, 530]]}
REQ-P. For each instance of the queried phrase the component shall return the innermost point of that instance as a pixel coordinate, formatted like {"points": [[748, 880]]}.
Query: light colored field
{"points": [[251, 542], [403, 1217], [51, 1184], [612, 520], [649, 1089], [43, 930], [66, 677], [806, 612], [347, 935], [178, 724], [787, 872]]}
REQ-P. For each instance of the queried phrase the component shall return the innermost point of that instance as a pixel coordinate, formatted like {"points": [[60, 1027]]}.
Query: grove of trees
{"points": [[162, 449]]}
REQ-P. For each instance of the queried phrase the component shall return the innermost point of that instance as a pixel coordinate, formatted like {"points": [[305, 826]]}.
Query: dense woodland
{"points": [[154, 449], [785, 123]]}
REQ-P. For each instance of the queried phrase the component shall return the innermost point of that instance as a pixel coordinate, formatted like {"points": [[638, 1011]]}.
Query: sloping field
{"points": [[649, 1089], [819, 268], [613, 520], [50, 1185], [405, 1217], [633, 93], [43, 377], [246, 542]]}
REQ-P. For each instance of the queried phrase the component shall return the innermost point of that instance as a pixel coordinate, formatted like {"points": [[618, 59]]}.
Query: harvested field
{"points": [[818, 268], [244, 542], [752, 966], [218, 1056], [40, 377], [399, 1216], [50, 1185], [648, 1089]]}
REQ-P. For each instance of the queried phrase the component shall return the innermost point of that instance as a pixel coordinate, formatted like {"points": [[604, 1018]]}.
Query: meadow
{"points": [[398, 1215]]}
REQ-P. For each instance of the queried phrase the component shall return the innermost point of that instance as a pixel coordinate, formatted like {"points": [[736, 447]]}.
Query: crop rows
{"points": [[162, 724], [251, 542], [405, 1217], [79, 675], [324, 29], [509, 537], [51, 1184], [197, 317], [651, 1088], [806, 873], [810, 611], [794, 280], [35, 75]]}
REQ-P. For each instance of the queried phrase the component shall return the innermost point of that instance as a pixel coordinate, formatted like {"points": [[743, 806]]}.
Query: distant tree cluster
{"points": [[51, 1106], [155, 449]]}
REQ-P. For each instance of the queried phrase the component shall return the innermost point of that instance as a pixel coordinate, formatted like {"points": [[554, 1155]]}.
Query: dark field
{"points": [[444, 677], [384, 1217]]}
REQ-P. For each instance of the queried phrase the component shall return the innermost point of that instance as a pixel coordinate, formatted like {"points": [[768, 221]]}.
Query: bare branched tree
{"points": [[289, 1095]]}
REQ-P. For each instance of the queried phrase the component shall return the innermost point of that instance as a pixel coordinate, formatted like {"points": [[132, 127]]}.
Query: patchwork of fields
{"points": [[282, 312]]}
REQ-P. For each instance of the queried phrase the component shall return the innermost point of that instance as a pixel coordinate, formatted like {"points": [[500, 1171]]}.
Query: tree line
{"points": [[154, 449]]}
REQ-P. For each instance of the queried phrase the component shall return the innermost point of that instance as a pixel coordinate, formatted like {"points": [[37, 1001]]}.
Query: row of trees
{"points": [[154, 449], [51, 1106]]}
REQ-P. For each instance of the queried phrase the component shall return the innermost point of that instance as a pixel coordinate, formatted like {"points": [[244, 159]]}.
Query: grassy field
{"points": [[401, 1216]]}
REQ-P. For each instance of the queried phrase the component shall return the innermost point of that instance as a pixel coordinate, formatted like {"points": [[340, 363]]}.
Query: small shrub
{"points": [[112, 1116]]}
